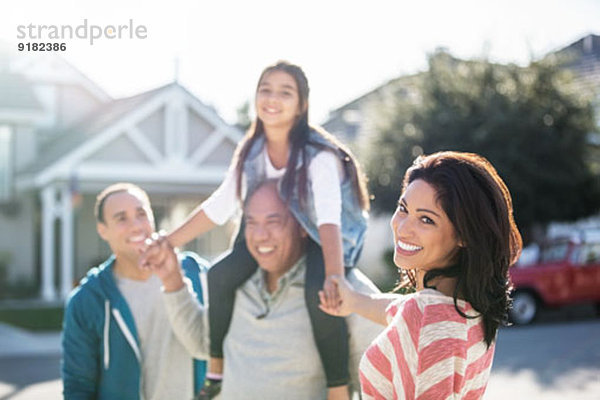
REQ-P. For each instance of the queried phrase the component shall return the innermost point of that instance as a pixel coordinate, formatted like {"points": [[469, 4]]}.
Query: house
{"points": [[63, 139]]}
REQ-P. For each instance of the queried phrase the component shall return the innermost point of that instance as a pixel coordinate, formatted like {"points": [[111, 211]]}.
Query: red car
{"points": [[567, 271]]}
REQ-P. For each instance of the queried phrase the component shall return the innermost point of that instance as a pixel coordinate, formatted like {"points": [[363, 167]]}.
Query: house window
{"points": [[5, 163]]}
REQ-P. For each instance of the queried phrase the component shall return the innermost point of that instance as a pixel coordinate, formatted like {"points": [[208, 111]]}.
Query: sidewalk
{"points": [[16, 342]]}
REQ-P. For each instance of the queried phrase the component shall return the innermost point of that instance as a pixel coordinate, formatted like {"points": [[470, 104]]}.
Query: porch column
{"points": [[66, 237], [48, 291]]}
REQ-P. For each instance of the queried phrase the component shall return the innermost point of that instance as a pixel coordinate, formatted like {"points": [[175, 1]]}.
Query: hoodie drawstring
{"points": [[106, 326]]}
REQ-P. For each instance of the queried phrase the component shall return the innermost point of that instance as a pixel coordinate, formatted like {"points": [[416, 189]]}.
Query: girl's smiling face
{"points": [[424, 237], [277, 100]]}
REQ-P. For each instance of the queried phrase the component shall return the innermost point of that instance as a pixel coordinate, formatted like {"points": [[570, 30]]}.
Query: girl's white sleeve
{"points": [[325, 173], [223, 202]]}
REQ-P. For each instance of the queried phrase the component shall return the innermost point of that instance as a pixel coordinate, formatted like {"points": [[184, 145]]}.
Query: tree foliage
{"points": [[529, 122]]}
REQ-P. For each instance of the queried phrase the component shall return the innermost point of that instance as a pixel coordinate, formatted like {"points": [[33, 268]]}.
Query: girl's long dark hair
{"points": [[479, 206], [299, 139]]}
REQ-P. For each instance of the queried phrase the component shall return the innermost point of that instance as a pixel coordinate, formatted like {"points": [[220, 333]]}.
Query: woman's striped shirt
{"points": [[428, 351]]}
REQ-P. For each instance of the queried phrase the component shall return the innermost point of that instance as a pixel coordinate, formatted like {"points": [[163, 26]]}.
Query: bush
{"points": [[34, 318]]}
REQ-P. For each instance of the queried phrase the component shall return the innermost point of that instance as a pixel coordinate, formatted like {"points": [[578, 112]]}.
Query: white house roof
{"points": [[62, 143], [164, 135], [583, 58]]}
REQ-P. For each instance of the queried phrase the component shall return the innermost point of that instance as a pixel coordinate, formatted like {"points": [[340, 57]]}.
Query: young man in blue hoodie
{"points": [[117, 341]]}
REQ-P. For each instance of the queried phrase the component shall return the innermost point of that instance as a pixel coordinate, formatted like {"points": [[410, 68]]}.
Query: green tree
{"points": [[529, 122]]}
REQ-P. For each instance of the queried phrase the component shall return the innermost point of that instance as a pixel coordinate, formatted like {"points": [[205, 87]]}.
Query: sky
{"points": [[218, 48]]}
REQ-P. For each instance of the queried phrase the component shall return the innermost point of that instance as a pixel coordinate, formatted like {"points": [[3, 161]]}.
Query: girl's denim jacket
{"points": [[354, 218]]}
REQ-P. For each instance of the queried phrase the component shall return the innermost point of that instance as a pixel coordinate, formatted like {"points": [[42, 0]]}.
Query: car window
{"points": [[555, 252], [590, 254]]}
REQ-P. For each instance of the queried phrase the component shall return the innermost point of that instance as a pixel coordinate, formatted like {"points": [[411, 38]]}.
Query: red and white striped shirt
{"points": [[428, 351]]}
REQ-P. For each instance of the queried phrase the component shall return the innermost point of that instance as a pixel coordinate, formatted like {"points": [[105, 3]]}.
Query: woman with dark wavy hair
{"points": [[455, 238]]}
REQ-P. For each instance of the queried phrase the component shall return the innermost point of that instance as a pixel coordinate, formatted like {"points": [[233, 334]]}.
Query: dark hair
{"points": [[299, 138], [479, 206], [113, 189]]}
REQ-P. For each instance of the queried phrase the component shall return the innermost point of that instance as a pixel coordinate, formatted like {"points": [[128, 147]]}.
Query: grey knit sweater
{"points": [[273, 356]]}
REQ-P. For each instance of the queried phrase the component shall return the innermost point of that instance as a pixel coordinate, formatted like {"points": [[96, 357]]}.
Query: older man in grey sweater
{"points": [[269, 350]]}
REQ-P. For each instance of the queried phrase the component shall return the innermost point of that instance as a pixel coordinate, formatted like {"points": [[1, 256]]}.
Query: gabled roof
{"points": [[583, 58], [390, 83], [167, 149], [58, 144], [586, 48]]}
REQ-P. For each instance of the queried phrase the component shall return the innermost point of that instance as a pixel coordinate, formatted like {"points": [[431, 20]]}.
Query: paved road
{"points": [[556, 358], [30, 377], [552, 361]]}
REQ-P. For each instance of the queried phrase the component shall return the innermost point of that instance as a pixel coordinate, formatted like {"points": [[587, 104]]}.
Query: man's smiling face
{"points": [[273, 236], [128, 221]]}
